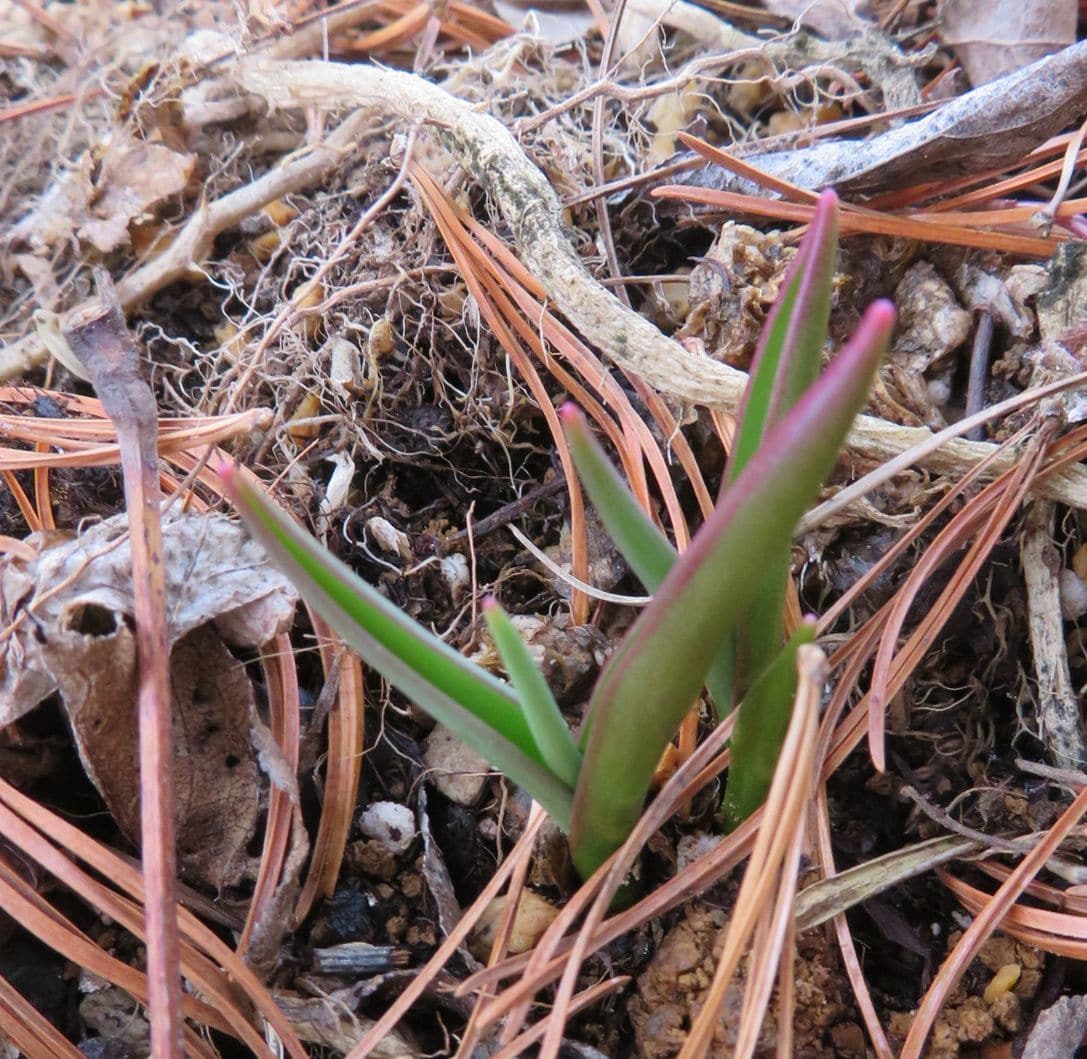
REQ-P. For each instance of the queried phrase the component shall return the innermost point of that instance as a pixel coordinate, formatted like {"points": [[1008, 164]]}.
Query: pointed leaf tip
{"points": [[569, 412], [883, 312], [822, 238], [489, 603], [224, 467], [875, 325]]}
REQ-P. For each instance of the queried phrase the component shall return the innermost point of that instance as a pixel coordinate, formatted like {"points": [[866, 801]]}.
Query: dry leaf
{"points": [[834, 19], [40, 273], [214, 574], [988, 127], [61, 209], [72, 609], [436, 874], [329, 1021], [135, 177], [216, 779], [1002, 36]]}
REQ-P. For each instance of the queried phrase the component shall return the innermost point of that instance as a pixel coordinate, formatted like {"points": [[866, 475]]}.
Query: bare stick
{"points": [[102, 343], [1058, 705]]}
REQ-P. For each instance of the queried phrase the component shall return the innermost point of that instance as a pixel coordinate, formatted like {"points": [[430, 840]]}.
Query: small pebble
{"points": [[391, 824]]}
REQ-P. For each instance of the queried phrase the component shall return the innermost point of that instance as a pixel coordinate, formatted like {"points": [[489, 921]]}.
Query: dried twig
{"points": [[1057, 704], [193, 242], [103, 345]]}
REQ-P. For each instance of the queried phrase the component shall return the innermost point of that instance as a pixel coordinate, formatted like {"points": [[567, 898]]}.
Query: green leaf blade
{"points": [[478, 708], [761, 723], [656, 673], [541, 710], [648, 551], [790, 350], [650, 554]]}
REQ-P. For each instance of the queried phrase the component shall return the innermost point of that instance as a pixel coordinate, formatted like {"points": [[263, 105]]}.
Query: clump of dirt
{"points": [[671, 990], [976, 1012]]}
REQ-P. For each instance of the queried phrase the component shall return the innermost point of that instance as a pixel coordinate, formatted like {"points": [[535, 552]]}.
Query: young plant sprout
{"points": [[716, 618]]}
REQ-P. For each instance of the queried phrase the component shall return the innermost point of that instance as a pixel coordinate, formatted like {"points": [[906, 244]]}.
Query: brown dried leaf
{"points": [[436, 873], [216, 777], [1002, 36], [213, 572], [985, 128], [834, 19], [136, 177]]}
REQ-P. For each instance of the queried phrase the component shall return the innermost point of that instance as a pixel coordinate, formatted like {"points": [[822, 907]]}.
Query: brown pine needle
{"points": [[985, 922], [346, 739]]}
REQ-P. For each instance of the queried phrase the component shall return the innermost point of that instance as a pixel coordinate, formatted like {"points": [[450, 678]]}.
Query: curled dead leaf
{"points": [[71, 612], [214, 574], [135, 177]]}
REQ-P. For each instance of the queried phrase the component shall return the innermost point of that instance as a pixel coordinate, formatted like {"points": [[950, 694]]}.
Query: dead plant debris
{"points": [[360, 245]]}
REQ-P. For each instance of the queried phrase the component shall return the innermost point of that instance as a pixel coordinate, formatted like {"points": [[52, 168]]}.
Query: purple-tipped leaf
{"points": [[786, 363], [790, 351], [657, 671]]}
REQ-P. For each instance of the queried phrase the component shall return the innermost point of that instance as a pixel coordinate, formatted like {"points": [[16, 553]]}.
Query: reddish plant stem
{"points": [[103, 344]]}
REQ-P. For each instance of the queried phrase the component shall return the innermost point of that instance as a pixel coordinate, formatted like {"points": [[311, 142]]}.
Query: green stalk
{"points": [[648, 551], [656, 673], [478, 708], [650, 554], [761, 723], [541, 710], [786, 364]]}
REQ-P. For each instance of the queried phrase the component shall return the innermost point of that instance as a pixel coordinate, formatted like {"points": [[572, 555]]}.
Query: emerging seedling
{"points": [[716, 616]]}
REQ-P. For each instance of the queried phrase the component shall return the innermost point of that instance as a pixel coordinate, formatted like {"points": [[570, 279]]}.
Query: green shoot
{"points": [[541, 710], [721, 601]]}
